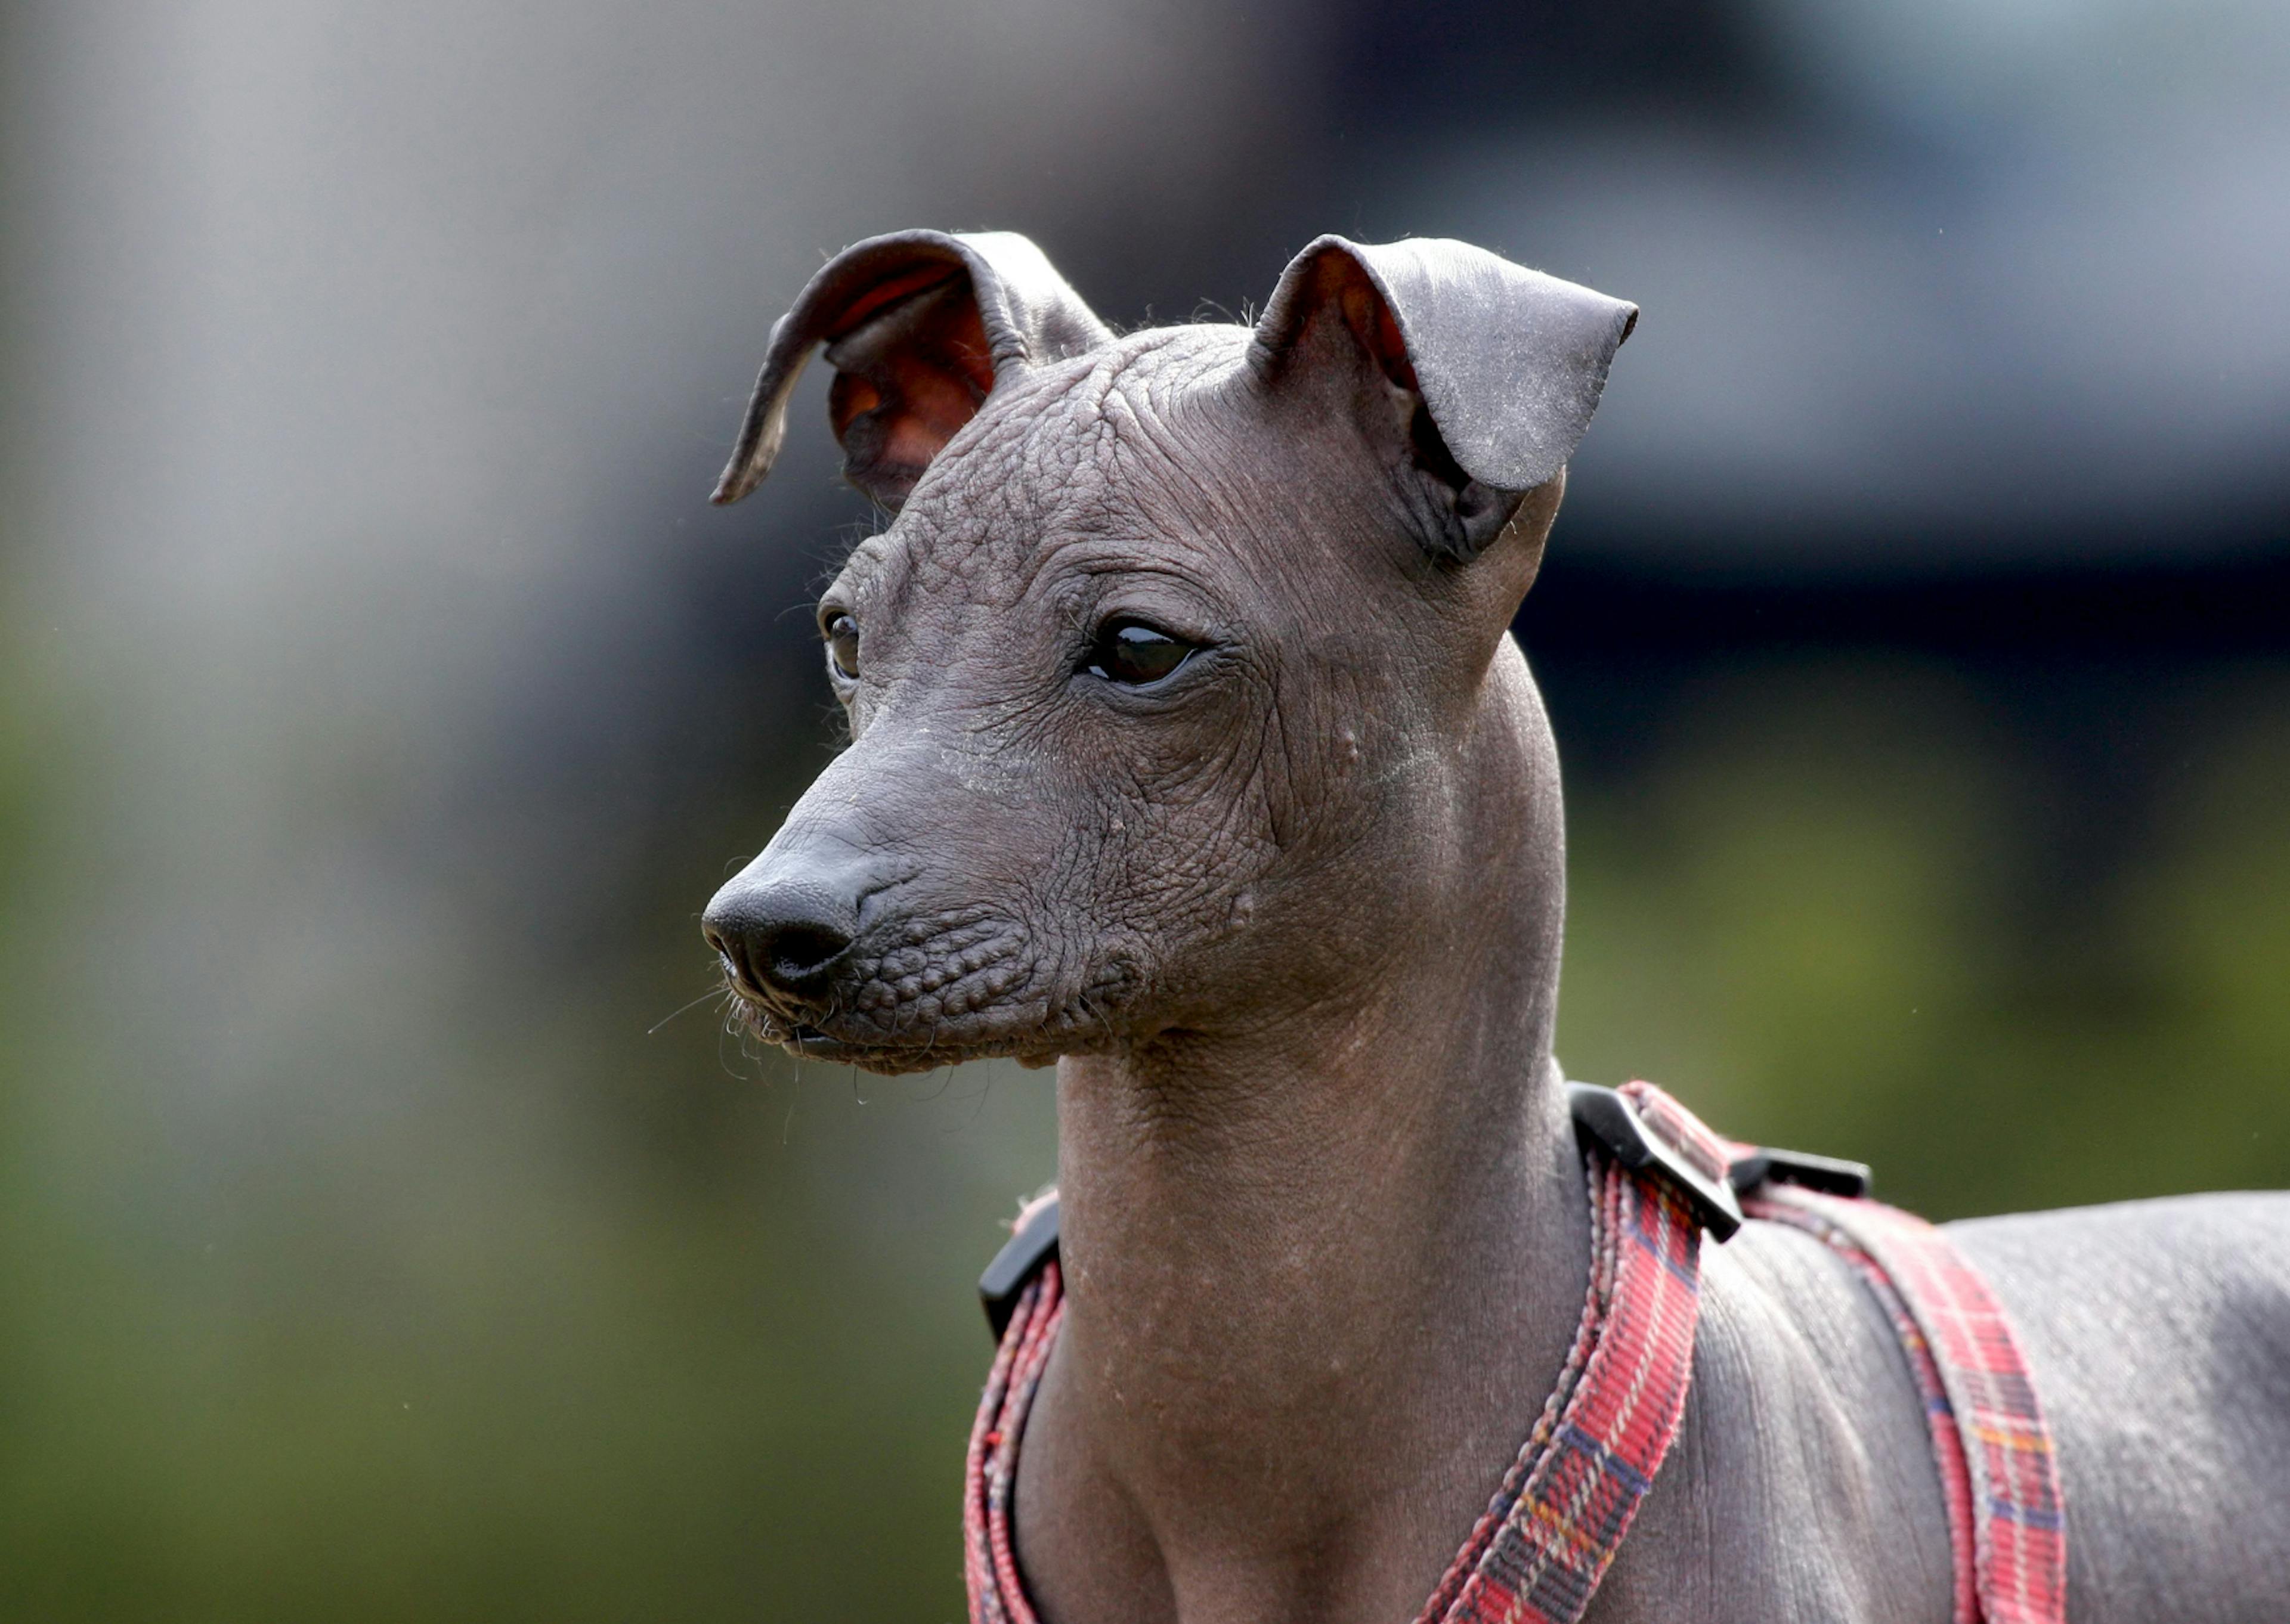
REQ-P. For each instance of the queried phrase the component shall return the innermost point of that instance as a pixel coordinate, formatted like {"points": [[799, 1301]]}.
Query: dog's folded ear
{"points": [[918, 325], [1494, 369]]}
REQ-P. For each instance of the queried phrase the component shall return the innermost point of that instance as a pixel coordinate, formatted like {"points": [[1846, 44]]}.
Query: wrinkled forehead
{"points": [[1101, 453]]}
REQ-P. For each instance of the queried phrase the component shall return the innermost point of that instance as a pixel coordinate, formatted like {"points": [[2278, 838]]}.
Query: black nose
{"points": [[784, 935]]}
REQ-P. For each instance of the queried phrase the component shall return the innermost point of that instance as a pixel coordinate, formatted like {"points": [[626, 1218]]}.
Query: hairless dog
{"points": [[1191, 752]]}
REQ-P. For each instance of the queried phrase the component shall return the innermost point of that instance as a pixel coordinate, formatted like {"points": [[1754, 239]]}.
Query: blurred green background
{"points": [[385, 1231]]}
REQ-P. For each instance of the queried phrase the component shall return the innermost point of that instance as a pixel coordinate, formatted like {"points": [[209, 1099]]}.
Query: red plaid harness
{"points": [[1657, 1179]]}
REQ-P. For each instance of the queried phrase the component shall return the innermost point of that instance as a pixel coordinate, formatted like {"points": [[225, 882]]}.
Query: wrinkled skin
{"points": [[1289, 923], [1065, 866]]}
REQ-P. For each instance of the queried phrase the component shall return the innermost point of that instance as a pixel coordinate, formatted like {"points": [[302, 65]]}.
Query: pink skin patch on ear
{"points": [[919, 394]]}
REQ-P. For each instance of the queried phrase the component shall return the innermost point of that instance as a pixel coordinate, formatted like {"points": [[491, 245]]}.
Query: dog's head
{"points": [[1162, 682]]}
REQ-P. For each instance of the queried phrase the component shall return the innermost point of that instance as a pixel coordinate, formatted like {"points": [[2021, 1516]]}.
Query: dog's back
{"points": [[2158, 1333]]}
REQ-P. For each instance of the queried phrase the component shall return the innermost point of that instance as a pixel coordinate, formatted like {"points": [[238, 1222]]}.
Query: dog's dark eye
{"points": [[843, 647], [1132, 654]]}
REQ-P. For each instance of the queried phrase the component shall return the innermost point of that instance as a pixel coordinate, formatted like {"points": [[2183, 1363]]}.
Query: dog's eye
{"points": [[1132, 654], [843, 647]]}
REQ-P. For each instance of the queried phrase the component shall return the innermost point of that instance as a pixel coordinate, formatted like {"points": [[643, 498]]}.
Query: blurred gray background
{"points": [[380, 703]]}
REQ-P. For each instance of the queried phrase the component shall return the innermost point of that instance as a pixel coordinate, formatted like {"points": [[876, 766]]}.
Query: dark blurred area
{"points": [[391, 1229]]}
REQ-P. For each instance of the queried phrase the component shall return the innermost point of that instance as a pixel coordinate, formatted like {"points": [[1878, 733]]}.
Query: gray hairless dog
{"points": [[1191, 752]]}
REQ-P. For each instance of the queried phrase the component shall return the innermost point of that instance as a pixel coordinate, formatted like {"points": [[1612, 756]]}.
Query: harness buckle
{"points": [[1020, 1256], [1831, 1175], [1609, 1117]]}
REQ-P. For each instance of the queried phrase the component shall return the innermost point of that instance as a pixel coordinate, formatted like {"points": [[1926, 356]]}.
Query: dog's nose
{"points": [[785, 935]]}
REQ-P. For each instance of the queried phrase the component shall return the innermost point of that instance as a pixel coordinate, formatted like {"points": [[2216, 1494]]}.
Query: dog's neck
{"points": [[1321, 1274]]}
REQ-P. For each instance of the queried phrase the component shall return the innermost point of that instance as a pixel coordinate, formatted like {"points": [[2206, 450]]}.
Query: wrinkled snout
{"points": [[880, 925], [784, 926]]}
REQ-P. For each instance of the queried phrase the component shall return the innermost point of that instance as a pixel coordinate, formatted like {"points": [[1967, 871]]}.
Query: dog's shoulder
{"points": [[1802, 1484]]}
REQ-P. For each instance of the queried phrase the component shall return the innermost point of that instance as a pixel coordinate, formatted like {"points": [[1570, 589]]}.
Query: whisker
{"points": [[713, 992]]}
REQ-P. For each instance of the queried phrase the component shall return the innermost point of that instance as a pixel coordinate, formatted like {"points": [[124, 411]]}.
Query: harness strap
{"points": [[1028, 1308], [1998, 1471], [1550, 1532]]}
